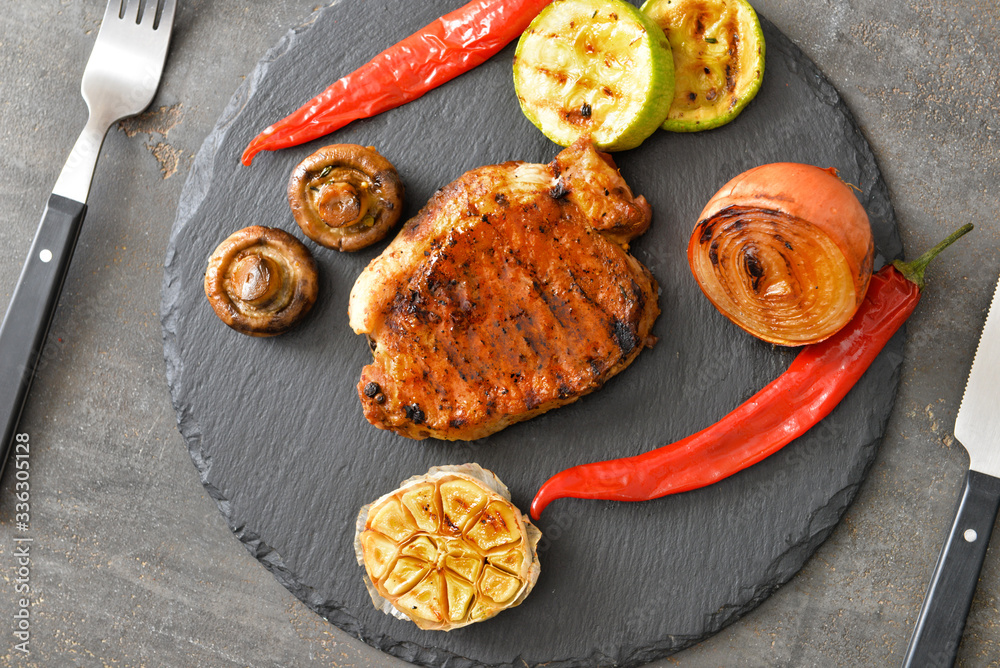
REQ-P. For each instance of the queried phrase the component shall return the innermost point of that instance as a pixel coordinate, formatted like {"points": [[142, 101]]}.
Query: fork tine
{"points": [[132, 11], [148, 13], [114, 11], [167, 14]]}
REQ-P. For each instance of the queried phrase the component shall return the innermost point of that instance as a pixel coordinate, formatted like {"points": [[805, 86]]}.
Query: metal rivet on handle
{"points": [[970, 535], [45, 255]]}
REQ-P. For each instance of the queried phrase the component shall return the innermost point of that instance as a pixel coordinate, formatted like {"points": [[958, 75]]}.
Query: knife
{"points": [[946, 605]]}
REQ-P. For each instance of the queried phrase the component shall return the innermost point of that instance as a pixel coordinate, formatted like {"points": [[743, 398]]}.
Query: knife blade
{"points": [[941, 621]]}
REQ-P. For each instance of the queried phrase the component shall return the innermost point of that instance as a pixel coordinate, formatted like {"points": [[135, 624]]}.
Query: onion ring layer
{"points": [[785, 252]]}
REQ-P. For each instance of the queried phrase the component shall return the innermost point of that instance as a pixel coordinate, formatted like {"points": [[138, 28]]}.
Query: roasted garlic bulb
{"points": [[447, 549], [261, 281], [345, 196]]}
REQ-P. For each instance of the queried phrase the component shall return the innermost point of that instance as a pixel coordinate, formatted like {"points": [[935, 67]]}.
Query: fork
{"points": [[120, 80]]}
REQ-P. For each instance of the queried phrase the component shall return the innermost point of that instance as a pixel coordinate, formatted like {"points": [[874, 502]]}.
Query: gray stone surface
{"points": [[131, 563]]}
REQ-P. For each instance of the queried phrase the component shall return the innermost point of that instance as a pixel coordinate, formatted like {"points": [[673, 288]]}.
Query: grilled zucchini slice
{"points": [[594, 67], [718, 51]]}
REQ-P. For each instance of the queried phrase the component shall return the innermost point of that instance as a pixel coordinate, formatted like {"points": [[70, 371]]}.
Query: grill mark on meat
{"points": [[458, 363], [563, 331], [524, 324], [499, 309], [625, 336], [410, 305], [531, 399], [607, 317], [562, 312], [570, 336], [473, 368], [501, 318]]}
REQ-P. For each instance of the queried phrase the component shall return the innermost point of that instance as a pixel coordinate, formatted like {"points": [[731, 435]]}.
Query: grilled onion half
{"points": [[785, 251]]}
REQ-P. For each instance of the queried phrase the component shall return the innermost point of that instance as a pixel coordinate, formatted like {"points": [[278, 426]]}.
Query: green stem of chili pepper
{"points": [[815, 382], [439, 52]]}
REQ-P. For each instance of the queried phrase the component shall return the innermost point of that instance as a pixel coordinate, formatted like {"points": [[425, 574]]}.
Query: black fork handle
{"points": [[22, 335]]}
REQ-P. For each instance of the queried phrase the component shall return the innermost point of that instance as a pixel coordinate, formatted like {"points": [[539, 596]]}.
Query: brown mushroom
{"points": [[345, 196], [261, 281]]}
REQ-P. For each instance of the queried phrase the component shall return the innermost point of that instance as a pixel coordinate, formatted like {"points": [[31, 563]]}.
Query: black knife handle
{"points": [[946, 605], [26, 323]]}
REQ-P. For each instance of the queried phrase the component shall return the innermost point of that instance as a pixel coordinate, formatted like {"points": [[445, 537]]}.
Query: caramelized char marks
{"points": [[519, 307], [537, 319]]}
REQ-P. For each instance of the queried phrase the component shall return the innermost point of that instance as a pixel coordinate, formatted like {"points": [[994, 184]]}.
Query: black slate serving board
{"points": [[275, 428]]}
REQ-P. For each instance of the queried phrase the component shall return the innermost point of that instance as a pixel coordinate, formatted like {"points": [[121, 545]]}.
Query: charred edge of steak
{"points": [[625, 336], [531, 399]]}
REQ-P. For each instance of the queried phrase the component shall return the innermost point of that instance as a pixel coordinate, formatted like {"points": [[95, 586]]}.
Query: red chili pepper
{"points": [[451, 45], [815, 382]]}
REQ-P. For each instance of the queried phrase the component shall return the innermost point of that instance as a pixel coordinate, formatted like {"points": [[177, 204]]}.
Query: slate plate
{"points": [[275, 427]]}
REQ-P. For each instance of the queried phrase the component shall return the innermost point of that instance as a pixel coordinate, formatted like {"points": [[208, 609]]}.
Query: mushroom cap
{"points": [[345, 196], [261, 281]]}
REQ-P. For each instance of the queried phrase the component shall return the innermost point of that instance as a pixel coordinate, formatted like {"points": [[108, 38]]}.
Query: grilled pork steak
{"points": [[510, 293]]}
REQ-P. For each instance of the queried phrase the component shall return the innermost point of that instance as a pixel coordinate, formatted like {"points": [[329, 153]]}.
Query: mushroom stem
{"points": [[255, 279], [339, 204]]}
